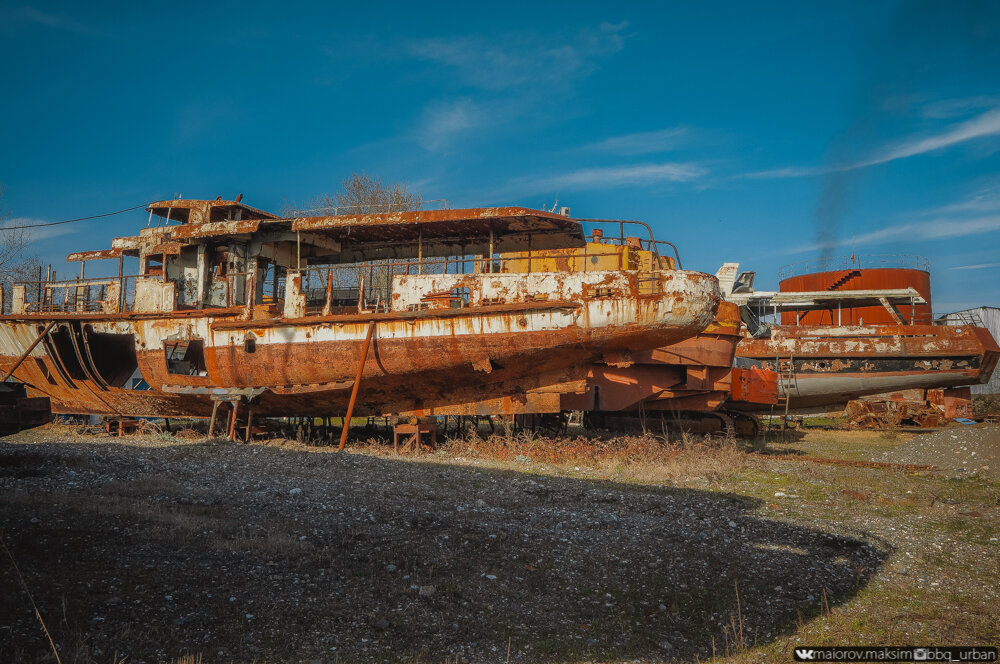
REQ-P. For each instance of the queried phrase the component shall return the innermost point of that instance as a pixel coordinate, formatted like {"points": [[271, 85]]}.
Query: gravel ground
{"points": [[958, 451], [257, 553]]}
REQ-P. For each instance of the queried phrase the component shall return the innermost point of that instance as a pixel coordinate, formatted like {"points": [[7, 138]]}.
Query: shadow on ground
{"points": [[253, 553]]}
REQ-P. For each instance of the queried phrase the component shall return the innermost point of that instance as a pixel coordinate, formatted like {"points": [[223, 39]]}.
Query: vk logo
{"points": [[802, 654]]}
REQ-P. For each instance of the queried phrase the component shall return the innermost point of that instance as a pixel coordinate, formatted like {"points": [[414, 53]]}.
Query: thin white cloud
{"points": [[980, 266], [986, 124], [611, 177], [988, 201], [527, 58], [34, 235], [444, 121], [505, 77], [645, 142], [938, 229], [952, 108]]}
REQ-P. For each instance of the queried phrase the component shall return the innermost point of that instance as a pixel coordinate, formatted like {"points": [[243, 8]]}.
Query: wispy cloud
{"points": [[444, 121], [54, 20], [645, 142], [610, 177], [953, 108], [986, 201], [986, 124], [504, 77], [938, 229], [34, 235], [524, 58], [980, 266]]}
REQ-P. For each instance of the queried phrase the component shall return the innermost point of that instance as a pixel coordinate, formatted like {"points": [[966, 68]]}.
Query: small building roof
{"points": [[359, 237]]}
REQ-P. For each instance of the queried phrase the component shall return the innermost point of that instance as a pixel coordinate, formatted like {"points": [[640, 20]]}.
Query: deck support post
{"points": [[211, 422], [231, 434], [249, 423], [357, 384]]}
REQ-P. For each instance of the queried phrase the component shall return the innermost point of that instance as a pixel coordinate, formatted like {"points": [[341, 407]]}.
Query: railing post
{"points": [[329, 292]]}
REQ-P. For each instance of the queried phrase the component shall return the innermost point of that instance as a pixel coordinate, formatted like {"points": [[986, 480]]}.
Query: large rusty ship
{"points": [[488, 310]]}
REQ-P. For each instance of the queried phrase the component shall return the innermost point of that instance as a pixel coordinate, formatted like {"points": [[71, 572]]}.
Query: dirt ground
{"points": [[153, 549]]}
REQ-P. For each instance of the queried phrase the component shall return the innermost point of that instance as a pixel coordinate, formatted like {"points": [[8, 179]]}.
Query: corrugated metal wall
{"points": [[991, 319]]}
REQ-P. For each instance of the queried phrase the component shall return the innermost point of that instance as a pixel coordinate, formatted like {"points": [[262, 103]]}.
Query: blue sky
{"points": [[760, 133]]}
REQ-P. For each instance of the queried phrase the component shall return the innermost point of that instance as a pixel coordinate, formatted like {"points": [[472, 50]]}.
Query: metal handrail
{"points": [[43, 296], [411, 267], [650, 244], [958, 318], [443, 204]]}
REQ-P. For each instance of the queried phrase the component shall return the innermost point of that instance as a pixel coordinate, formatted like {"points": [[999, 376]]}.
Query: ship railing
{"points": [[649, 244], [94, 295], [370, 208], [959, 318], [866, 261], [368, 286]]}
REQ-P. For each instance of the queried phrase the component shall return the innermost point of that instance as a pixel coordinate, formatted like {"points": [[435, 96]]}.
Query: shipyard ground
{"points": [[170, 550]]}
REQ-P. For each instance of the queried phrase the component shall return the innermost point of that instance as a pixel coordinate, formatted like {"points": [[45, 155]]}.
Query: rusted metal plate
{"points": [[215, 229], [474, 221], [754, 385], [101, 254], [168, 248]]}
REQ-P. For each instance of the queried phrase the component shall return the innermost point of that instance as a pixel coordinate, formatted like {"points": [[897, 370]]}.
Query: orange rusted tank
{"points": [[407, 312], [860, 274]]}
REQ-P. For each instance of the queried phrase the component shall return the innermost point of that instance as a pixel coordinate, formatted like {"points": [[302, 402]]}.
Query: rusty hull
{"points": [[830, 365], [423, 361], [695, 374]]}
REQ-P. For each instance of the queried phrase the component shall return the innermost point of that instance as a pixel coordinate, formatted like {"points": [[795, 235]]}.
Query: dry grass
{"points": [[645, 459]]}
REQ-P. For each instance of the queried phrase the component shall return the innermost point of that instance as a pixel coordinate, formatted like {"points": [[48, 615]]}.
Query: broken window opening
{"points": [[186, 358], [153, 265]]}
